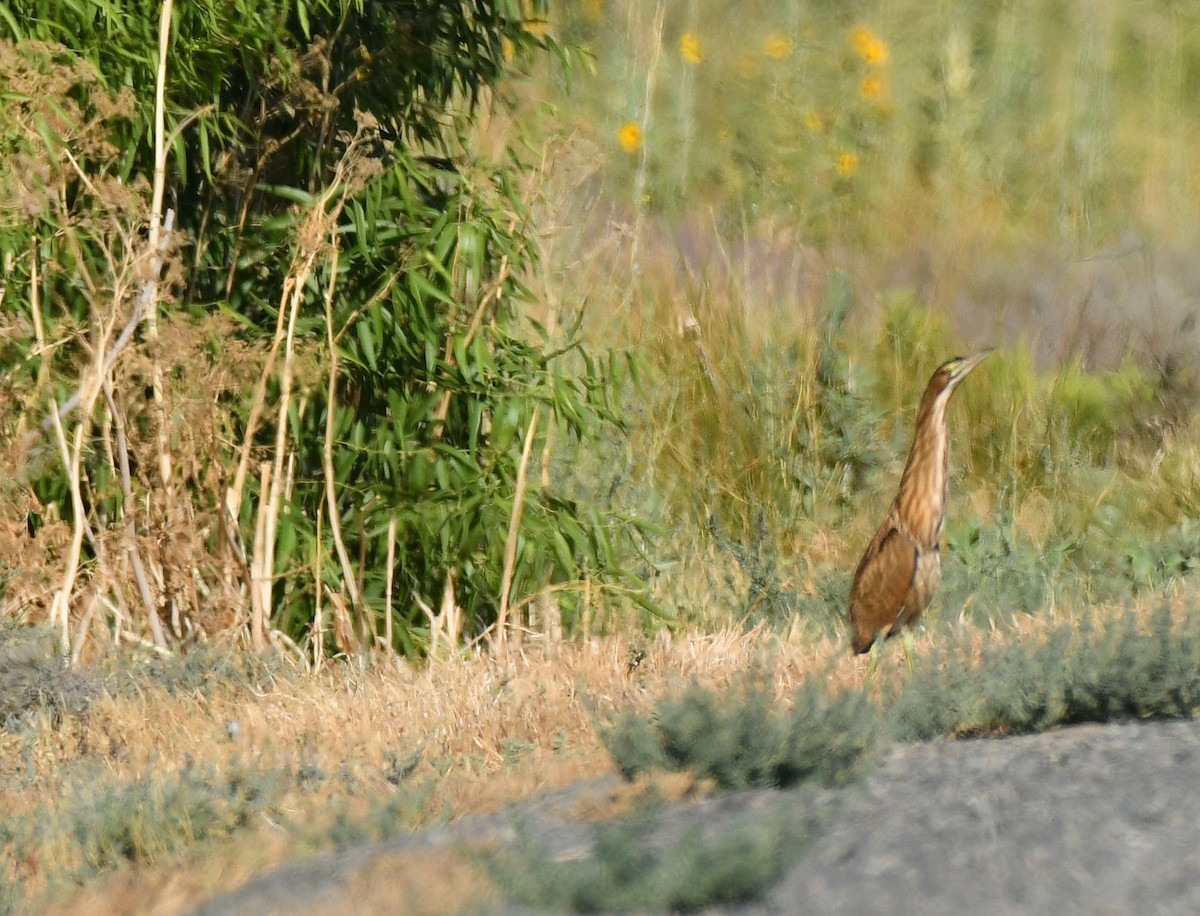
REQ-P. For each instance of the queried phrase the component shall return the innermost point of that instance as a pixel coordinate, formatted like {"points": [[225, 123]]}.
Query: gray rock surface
{"points": [[1094, 819]]}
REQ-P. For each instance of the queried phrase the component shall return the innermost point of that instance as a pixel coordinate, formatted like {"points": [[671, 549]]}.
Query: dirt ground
{"points": [[1093, 819]]}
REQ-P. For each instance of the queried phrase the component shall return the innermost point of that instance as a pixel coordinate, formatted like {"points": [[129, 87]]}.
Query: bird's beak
{"points": [[970, 362]]}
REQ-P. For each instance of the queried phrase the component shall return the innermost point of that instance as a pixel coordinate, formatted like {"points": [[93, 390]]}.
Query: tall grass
{"points": [[821, 204]]}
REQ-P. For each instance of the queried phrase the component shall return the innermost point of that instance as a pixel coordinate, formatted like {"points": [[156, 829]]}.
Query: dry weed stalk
{"points": [[129, 263], [260, 575], [446, 624], [390, 574], [319, 224], [96, 379], [131, 537], [72, 456], [349, 580], [156, 202], [639, 181], [317, 633], [499, 633], [293, 293], [343, 628]]}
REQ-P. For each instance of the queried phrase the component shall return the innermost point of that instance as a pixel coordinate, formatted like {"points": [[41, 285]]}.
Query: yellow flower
{"points": [[873, 87], [847, 164], [689, 48], [778, 46], [629, 137], [593, 10], [868, 46], [814, 122]]}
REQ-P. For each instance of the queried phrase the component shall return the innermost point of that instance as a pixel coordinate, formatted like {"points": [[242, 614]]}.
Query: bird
{"points": [[902, 565]]}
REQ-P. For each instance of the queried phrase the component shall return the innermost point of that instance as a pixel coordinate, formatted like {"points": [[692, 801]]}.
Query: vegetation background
{"points": [[357, 332]]}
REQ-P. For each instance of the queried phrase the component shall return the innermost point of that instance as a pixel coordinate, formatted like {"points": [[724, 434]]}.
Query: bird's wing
{"points": [[882, 583]]}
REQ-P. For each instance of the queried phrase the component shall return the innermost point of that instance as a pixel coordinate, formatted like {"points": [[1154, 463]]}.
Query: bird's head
{"points": [[953, 371]]}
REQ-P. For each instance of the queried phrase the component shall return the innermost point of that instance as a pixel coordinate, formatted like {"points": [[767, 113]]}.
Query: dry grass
{"points": [[490, 731], [424, 883]]}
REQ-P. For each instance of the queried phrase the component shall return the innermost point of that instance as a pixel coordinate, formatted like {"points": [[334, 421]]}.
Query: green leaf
{"points": [[302, 15], [563, 552], [421, 285], [366, 340], [285, 540]]}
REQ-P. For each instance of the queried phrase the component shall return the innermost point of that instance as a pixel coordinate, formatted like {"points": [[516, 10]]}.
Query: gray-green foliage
{"points": [[990, 565], [1121, 669], [632, 869], [840, 443], [743, 739], [784, 461], [1096, 673], [1088, 673], [292, 127], [767, 598], [103, 826], [205, 669], [34, 679]]}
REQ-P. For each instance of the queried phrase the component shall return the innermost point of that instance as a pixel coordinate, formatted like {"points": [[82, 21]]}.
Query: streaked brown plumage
{"points": [[901, 568]]}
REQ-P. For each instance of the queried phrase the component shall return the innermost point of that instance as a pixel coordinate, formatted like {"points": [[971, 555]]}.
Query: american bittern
{"points": [[902, 566]]}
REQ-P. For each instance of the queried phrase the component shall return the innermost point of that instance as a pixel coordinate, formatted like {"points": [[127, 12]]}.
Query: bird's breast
{"points": [[926, 577]]}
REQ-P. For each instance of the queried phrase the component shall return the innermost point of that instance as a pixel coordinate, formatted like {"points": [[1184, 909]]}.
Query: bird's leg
{"points": [[873, 661], [907, 640]]}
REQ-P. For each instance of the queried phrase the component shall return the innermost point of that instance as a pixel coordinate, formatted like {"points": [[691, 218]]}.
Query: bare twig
{"points": [[281, 639], [160, 149], [147, 295], [59, 610], [451, 613], [71, 458], [131, 544], [343, 628], [39, 330], [298, 274], [233, 495], [321, 220], [293, 292]]}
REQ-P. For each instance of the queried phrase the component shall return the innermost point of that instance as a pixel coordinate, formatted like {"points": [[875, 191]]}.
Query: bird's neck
{"points": [[922, 498]]}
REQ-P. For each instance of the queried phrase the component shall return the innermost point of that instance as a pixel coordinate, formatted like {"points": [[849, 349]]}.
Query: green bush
{"points": [[350, 278]]}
